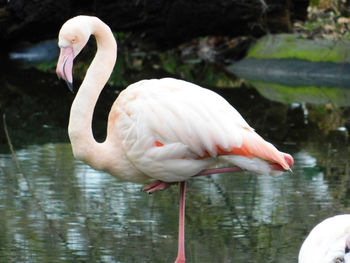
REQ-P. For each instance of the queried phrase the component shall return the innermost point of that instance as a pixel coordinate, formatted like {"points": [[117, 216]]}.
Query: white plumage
{"points": [[164, 130], [188, 120], [159, 129], [327, 242]]}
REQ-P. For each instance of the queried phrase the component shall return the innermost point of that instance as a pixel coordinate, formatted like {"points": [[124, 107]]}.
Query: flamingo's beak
{"points": [[347, 247], [65, 66]]}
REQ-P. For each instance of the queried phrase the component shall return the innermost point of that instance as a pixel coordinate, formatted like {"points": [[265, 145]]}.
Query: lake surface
{"points": [[56, 209], [60, 210]]}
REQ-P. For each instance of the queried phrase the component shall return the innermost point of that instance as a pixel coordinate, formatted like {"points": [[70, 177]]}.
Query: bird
{"points": [[160, 131], [328, 242]]}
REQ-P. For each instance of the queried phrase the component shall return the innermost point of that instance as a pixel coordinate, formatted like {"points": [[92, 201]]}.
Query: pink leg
{"points": [[232, 169], [219, 171], [181, 242], [160, 185], [156, 186]]}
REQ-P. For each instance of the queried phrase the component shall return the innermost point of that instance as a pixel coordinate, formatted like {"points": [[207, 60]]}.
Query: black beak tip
{"points": [[70, 86]]}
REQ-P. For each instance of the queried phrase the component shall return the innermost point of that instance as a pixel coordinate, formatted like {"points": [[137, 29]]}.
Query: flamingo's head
{"points": [[72, 38]]}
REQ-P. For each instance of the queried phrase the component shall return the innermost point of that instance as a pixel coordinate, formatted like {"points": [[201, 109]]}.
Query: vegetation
{"points": [[295, 46], [324, 36], [327, 19], [133, 64]]}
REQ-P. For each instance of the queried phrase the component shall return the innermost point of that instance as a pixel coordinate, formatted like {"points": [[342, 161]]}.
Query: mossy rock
{"points": [[284, 46]]}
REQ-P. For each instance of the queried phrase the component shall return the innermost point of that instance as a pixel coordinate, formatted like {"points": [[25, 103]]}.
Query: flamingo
{"points": [[162, 131], [328, 242]]}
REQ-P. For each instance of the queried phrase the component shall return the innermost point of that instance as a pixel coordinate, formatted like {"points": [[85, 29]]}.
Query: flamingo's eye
{"points": [[74, 39]]}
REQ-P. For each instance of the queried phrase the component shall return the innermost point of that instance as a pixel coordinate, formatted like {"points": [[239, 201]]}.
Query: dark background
{"points": [[161, 23]]}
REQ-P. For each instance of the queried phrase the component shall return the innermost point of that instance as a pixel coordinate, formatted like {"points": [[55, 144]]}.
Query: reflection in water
{"points": [[294, 80], [79, 214]]}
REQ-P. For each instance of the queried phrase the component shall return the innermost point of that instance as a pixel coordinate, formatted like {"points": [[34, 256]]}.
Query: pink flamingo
{"points": [[160, 130]]}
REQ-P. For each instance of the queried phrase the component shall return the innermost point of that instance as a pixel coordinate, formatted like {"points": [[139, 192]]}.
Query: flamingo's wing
{"points": [[169, 127]]}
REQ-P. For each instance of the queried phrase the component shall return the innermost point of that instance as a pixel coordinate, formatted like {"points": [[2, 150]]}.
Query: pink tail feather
{"points": [[255, 146]]}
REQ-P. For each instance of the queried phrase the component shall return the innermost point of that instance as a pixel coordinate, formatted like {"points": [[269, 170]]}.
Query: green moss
{"points": [[46, 66], [117, 76], [195, 70], [314, 2], [292, 46], [309, 94]]}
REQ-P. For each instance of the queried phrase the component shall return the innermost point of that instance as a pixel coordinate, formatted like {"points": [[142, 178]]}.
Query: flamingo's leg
{"points": [[156, 186], [219, 171], [181, 239], [160, 185], [232, 169]]}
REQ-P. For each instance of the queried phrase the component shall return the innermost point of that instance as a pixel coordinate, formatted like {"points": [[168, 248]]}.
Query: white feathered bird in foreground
{"points": [[328, 242], [160, 130]]}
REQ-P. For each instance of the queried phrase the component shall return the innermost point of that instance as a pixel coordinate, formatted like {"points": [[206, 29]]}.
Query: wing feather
{"points": [[189, 122]]}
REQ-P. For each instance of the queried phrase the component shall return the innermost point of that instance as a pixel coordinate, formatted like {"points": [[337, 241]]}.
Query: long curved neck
{"points": [[80, 123]]}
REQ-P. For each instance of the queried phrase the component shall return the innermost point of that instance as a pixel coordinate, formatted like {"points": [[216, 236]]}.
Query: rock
{"points": [[292, 46]]}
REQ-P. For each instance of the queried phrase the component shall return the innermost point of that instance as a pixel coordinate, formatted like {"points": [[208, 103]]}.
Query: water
{"points": [[60, 210], [56, 209]]}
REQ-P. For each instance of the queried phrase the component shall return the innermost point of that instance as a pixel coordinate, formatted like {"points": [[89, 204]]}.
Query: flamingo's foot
{"points": [[156, 186], [277, 167]]}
